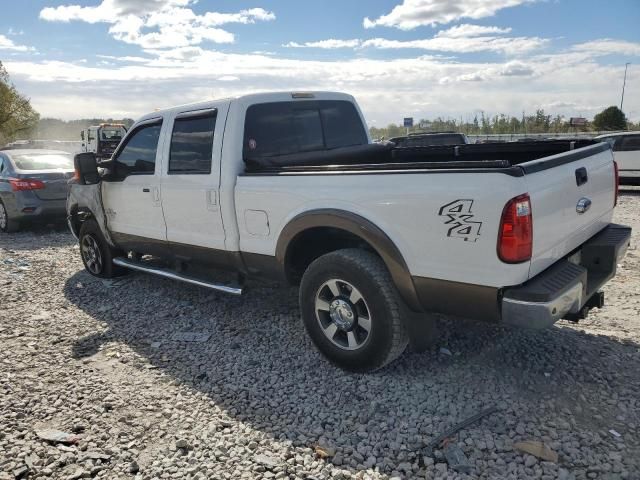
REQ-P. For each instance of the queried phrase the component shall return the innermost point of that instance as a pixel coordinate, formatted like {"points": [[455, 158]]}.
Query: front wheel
{"points": [[352, 311], [97, 254]]}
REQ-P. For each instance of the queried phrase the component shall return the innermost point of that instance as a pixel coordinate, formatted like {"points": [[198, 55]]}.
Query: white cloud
{"points": [[422, 86], [411, 14], [108, 11], [467, 30], [464, 38], [8, 44], [157, 23], [494, 72], [607, 46], [330, 43], [516, 69], [126, 58], [506, 45]]}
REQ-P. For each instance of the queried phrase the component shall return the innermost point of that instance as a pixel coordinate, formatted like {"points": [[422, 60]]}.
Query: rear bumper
{"points": [[566, 287], [42, 209], [25, 206]]}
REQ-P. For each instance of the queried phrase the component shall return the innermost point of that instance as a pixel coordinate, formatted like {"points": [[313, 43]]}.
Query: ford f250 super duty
{"points": [[288, 186]]}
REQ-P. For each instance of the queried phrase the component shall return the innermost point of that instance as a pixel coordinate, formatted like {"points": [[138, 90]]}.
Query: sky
{"points": [[399, 58]]}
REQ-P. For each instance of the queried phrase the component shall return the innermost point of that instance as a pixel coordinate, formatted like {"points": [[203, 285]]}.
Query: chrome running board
{"points": [[163, 272]]}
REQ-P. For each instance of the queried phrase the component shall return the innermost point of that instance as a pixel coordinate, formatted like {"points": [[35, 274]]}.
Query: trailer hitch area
{"points": [[595, 301]]}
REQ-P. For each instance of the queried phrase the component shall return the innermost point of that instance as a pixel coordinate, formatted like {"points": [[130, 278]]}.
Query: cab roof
{"points": [[253, 98]]}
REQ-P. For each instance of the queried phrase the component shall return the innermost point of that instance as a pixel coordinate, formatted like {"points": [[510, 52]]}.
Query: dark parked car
{"points": [[33, 185], [424, 139]]}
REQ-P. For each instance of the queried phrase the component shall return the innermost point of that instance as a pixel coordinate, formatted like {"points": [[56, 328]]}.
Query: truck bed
{"points": [[505, 157]]}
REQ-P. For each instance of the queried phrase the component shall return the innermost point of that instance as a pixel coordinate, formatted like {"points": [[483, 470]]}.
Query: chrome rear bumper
{"points": [[566, 287]]}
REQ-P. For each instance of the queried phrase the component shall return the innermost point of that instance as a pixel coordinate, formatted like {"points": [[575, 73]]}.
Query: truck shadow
{"points": [[259, 366], [30, 237]]}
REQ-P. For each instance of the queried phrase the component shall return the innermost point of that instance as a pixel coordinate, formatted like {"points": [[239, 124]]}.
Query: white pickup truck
{"points": [[288, 186]]}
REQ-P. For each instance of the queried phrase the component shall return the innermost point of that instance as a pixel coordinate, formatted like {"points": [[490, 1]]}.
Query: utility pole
{"points": [[624, 83]]}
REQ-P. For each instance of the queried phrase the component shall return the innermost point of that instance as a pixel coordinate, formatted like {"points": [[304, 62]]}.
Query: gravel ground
{"points": [[119, 365]]}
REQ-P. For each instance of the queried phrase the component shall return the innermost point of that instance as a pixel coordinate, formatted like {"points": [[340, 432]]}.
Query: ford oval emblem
{"points": [[583, 205]]}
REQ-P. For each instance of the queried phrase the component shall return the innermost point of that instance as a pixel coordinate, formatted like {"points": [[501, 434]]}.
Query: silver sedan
{"points": [[33, 185]]}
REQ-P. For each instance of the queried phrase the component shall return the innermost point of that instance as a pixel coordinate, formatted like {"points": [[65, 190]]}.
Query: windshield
{"points": [[43, 161], [111, 133]]}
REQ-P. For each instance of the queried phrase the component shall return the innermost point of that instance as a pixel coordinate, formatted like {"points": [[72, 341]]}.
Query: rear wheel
{"points": [[97, 254], [352, 311], [7, 225]]}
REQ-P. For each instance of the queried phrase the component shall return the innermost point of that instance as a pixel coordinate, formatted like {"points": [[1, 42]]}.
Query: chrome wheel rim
{"points": [[91, 254], [3, 217], [343, 314]]}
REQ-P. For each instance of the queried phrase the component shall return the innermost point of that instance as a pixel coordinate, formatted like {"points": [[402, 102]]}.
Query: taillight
{"points": [[616, 173], [21, 184], [515, 238]]}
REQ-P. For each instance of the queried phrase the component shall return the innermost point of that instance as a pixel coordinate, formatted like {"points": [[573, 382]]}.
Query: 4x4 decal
{"points": [[459, 217]]}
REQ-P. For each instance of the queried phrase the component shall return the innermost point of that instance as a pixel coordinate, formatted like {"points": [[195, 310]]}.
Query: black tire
{"points": [[7, 225], [381, 309], [97, 255]]}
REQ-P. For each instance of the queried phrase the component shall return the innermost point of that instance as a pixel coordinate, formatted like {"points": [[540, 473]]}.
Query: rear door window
{"points": [[138, 155], [283, 128], [192, 143]]}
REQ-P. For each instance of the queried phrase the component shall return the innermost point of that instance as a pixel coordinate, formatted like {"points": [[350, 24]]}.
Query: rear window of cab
{"points": [[284, 128]]}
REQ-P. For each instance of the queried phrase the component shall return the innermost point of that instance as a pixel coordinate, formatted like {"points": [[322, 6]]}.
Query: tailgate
{"points": [[572, 198]]}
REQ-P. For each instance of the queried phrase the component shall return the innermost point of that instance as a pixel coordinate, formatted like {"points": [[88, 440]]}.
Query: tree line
{"points": [[17, 117], [611, 118]]}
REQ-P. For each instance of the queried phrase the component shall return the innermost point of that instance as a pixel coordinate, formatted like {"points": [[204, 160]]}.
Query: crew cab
{"points": [[288, 187]]}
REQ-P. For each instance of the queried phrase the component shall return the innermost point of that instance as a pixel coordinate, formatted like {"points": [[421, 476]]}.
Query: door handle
{"points": [[146, 190], [212, 200]]}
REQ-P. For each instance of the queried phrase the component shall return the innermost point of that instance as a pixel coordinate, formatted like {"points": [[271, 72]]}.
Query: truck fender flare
{"points": [[89, 206], [362, 228]]}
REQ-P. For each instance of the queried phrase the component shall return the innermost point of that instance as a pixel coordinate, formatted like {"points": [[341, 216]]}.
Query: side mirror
{"points": [[82, 135], [86, 168]]}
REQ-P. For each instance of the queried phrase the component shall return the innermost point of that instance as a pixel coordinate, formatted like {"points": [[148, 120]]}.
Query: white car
{"points": [[288, 186], [626, 151]]}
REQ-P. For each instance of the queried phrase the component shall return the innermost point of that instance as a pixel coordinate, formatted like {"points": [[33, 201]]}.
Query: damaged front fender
{"points": [[84, 202]]}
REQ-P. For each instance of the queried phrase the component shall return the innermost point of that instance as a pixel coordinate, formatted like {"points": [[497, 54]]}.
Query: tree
{"points": [[611, 118], [16, 114]]}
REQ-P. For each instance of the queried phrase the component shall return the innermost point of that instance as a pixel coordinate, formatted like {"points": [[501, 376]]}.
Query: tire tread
{"points": [[360, 259]]}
